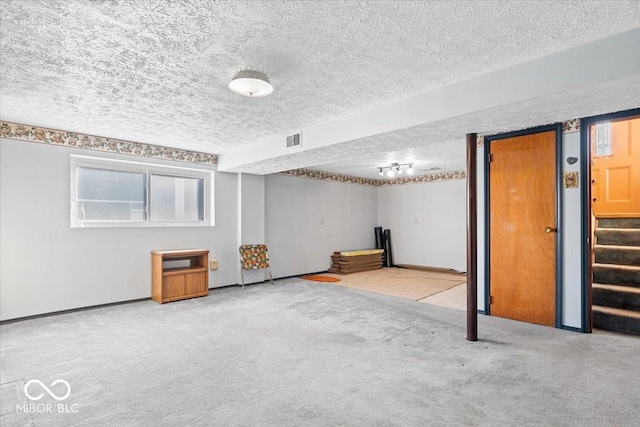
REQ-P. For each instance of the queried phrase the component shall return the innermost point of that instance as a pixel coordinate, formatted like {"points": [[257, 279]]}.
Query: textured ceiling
{"points": [[427, 158], [442, 143], [156, 71]]}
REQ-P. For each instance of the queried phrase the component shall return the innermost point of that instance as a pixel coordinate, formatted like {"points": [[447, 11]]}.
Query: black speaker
{"points": [[379, 244], [388, 257]]}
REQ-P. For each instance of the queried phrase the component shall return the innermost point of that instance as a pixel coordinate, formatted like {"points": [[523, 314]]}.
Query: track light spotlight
{"points": [[395, 168]]}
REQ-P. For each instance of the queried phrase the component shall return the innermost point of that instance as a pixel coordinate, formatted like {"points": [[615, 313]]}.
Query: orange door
{"points": [[522, 257], [615, 149]]}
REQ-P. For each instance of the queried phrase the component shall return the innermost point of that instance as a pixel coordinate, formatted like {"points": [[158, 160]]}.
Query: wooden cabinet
{"points": [[179, 274]]}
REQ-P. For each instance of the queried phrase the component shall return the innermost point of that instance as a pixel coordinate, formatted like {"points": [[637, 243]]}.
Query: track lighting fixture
{"points": [[395, 168]]}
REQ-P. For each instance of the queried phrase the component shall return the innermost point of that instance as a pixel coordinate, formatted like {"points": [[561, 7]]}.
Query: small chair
{"points": [[254, 257]]}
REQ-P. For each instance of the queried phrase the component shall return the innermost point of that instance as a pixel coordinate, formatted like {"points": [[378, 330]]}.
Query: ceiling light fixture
{"points": [[251, 83], [395, 168]]}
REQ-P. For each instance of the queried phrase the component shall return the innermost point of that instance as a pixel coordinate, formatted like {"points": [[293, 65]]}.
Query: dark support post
{"points": [[472, 238]]}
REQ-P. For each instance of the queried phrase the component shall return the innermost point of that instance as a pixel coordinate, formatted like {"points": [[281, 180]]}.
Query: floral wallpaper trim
{"points": [[348, 179], [328, 176], [445, 176], [572, 125], [568, 126], [90, 142]]}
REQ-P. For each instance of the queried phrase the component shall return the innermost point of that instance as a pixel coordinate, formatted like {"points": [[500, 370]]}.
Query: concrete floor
{"points": [[305, 353]]}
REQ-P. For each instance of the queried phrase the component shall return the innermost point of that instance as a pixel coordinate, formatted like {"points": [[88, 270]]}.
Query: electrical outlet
{"points": [[322, 221], [212, 253], [415, 221], [213, 264]]}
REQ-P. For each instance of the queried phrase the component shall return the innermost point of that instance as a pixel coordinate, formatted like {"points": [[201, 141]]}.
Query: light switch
{"points": [[213, 264]]}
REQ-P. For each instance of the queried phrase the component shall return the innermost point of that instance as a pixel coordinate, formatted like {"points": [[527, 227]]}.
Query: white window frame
{"points": [[78, 161]]}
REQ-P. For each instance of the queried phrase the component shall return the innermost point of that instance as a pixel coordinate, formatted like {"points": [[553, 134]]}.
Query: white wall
{"points": [[251, 205], [427, 223], [307, 220], [47, 266], [572, 237]]}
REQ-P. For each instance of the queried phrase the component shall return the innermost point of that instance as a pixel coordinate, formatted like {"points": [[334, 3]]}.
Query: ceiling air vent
{"points": [[293, 140]]}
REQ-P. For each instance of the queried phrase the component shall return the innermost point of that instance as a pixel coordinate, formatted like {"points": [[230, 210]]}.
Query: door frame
{"points": [[557, 128], [587, 211]]}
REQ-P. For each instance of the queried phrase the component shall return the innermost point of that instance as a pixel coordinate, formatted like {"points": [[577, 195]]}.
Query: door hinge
{"points": [[490, 157], [490, 299]]}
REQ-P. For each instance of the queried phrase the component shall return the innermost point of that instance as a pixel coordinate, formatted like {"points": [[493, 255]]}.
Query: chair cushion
{"points": [[254, 257]]}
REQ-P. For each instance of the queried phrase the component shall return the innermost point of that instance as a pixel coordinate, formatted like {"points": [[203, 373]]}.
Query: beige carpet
{"points": [[401, 282]]}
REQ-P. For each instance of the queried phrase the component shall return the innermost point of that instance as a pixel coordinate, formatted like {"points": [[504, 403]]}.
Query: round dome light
{"points": [[251, 83]]}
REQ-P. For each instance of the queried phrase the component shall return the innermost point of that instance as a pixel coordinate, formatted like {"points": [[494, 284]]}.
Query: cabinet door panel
{"points": [[173, 286], [195, 283]]}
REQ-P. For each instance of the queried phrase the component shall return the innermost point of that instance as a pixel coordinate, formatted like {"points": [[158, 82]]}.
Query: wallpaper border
{"points": [[348, 179], [43, 135]]}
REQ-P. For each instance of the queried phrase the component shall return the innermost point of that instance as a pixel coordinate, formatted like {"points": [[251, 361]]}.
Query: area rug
{"points": [[402, 282], [320, 278]]}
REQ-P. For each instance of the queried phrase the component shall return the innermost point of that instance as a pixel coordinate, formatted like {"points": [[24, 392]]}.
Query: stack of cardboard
{"points": [[354, 261]]}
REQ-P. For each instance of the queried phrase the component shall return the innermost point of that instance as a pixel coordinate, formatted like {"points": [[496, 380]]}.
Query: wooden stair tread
{"points": [[630, 222], [617, 288], [619, 247], [618, 266], [617, 311]]}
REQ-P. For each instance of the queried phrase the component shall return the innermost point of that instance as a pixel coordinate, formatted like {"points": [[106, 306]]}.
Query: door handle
{"points": [[550, 230]]}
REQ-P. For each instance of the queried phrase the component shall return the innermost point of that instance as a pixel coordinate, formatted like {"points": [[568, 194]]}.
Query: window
{"points": [[602, 139], [175, 198], [111, 193]]}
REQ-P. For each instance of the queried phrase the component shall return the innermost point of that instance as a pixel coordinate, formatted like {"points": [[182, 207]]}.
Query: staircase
{"points": [[616, 275]]}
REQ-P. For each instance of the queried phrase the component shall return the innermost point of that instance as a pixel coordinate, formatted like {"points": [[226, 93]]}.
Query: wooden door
{"points": [[615, 150], [522, 227]]}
